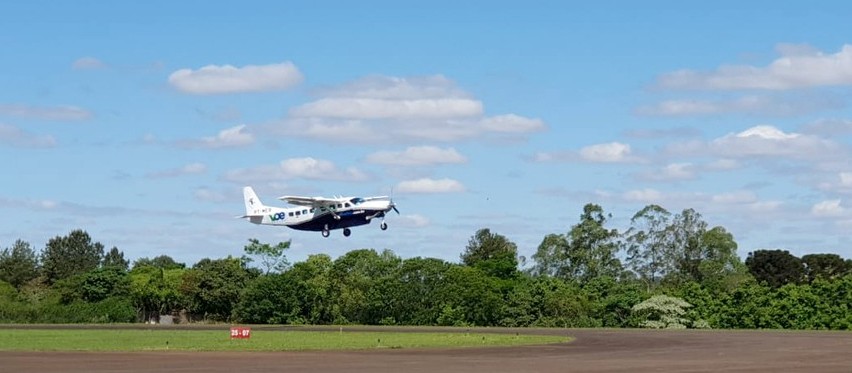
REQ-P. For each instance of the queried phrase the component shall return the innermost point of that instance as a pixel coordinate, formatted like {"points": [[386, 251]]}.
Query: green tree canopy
{"points": [[71, 255], [494, 254], [826, 266], [775, 267], [162, 261], [18, 264], [115, 258], [272, 258], [587, 251], [647, 241]]}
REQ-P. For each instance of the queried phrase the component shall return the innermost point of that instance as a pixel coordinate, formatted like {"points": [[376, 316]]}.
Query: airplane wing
{"points": [[309, 201], [375, 198]]}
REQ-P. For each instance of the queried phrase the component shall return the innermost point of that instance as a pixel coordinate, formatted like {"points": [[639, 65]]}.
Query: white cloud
{"points": [[613, 152], [417, 156], [846, 179], [54, 113], [214, 79], [643, 196], [772, 142], [827, 208], [18, 138], [426, 185], [762, 105], [414, 221], [228, 138], [790, 71], [371, 108], [378, 109], [88, 63], [829, 127], [189, 169], [672, 172], [740, 197], [205, 194], [397, 88], [511, 123], [296, 168]]}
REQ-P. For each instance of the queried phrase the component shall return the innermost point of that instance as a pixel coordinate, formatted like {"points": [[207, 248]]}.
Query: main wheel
{"points": [[325, 232], [346, 232], [384, 226]]}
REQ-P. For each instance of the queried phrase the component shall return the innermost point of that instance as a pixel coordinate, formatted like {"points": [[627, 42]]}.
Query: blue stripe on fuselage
{"points": [[351, 218]]}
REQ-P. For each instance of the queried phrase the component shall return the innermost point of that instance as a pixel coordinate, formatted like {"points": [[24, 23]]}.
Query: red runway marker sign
{"points": [[240, 332]]}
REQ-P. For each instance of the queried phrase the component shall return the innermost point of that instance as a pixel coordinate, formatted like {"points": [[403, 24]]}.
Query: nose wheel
{"points": [[384, 226], [346, 232]]}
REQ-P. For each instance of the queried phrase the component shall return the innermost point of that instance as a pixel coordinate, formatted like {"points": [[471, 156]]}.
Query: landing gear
{"points": [[384, 226], [325, 231], [346, 232]]}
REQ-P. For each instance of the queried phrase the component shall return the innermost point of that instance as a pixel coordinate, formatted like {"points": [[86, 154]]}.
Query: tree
{"points": [[115, 258], [586, 252], [163, 261], [775, 267], [647, 240], [720, 267], [359, 281], [18, 264], [686, 249], [271, 257], [826, 266], [105, 282], [156, 291], [665, 312], [492, 253], [71, 255], [213, 287]]}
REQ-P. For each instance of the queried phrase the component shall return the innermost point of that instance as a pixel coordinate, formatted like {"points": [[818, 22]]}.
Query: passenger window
{"points": [[298, 213], [347, 204], [291, 213]]}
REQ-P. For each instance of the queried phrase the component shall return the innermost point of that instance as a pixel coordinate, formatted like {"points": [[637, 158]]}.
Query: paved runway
{"points": [[593, 350]]}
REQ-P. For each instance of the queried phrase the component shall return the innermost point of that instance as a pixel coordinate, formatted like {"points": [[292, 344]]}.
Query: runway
{"points": [[592, 350]]}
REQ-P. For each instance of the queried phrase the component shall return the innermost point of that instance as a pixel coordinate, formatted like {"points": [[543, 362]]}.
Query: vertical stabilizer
{"points": [[253, 204]]}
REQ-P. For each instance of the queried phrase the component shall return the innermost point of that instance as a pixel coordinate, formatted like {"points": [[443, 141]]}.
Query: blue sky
{"points": [[140, 123]]}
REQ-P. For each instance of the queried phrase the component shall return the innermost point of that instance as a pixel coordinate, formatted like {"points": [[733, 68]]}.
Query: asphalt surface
{"points": [[592, 350]]}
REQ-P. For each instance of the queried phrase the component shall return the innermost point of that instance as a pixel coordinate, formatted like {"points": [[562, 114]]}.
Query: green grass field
{"points": [[261, 340]]}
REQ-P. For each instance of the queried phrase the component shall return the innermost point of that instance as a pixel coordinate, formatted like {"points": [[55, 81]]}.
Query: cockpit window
{"points": [[356, 200]]}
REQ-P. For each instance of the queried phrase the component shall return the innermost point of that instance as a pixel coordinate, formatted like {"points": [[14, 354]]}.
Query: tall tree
{"points": [[70, 255], [18, 264], [646, 242], [115, 258], [589, 249], [775, 267], [494, 254], [719, 266], [271, 257], [827, 266], [686, 250]]}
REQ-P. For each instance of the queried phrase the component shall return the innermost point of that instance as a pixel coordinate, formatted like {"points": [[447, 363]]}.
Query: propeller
{"points": [[393, 205]]}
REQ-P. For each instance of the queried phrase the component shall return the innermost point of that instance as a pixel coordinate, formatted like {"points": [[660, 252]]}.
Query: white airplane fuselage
{"points": [[330, 214]]}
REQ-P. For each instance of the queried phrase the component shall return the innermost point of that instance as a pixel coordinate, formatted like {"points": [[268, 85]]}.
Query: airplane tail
{"points": [[253, 204]]}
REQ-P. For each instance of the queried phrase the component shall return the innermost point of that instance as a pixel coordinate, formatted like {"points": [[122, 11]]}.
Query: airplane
{"points": [[318, 213]]}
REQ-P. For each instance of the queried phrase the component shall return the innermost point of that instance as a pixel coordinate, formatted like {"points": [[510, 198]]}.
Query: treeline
{"points": [[665, 270]]}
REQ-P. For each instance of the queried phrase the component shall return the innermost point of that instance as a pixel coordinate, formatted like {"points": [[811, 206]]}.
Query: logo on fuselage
{"points": [[278, 216]]}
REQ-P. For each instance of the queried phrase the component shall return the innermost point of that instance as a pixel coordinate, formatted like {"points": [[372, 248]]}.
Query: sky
{"points": [[140, 122]]}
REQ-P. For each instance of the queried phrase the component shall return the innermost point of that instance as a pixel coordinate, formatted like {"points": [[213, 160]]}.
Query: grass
{"points": [[261, 340]]}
